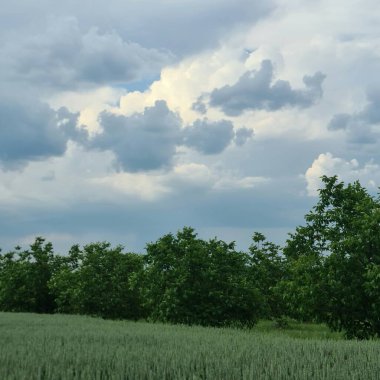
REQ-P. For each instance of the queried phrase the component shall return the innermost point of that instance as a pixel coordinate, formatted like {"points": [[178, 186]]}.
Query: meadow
{"points": [[36, 346]]}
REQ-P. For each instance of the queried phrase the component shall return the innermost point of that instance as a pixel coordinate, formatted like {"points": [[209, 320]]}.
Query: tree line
{"points": [[328, 271]]}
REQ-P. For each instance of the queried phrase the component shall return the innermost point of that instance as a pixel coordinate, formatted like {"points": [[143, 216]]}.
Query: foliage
{"points": [[24, 276], [340, 245], [302, 288], [64, 285], [267, 268], [189, 280], [99, 280]]}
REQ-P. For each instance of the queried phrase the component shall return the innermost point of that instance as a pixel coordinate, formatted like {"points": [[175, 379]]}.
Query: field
{"points": [[74, 347]]}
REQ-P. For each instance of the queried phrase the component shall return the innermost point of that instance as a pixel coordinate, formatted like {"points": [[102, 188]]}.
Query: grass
{"points": [[299, 330], [75, 347]]}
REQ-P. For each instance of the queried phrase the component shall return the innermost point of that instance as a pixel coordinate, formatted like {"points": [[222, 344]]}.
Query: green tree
{"points": [[341, 246], [65, 283], [99, 280], [303, 290], [24, 277], [268, 269], [189, 280]]}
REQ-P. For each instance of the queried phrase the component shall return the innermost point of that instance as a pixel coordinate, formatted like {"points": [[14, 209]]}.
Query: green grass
{"points": [[73, 347], [299, 330]]}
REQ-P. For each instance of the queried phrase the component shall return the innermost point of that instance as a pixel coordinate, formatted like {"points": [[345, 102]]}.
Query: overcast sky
{"points": [[125, 120]]}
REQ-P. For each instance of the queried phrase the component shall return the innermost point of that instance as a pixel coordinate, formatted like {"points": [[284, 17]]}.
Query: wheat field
{"points": [[76, 347]]}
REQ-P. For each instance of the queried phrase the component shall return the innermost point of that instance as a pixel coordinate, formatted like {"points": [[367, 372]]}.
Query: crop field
{"points": [[75, 347]]}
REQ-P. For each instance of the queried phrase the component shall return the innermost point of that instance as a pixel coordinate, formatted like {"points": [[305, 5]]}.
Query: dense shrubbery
{"points": [[328, 271]]}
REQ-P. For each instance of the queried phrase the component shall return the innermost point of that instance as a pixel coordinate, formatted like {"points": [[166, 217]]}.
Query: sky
{"points": [[126, 120]]}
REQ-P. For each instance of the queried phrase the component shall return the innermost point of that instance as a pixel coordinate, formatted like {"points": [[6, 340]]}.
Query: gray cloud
{"points": [[339, 121], [30, 130], [360, 127], [163, 24], [209, 137], [148, 140], [68, 123], [64, 56], [254, 91], [242, 135], [143, 141], [199, 105], [237, 208]]}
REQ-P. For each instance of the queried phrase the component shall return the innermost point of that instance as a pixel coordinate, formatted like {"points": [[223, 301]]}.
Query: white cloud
{"points": [[88, 102], [187, 177], [240, 183], [57, 182], [137, 185], [349, 171]]}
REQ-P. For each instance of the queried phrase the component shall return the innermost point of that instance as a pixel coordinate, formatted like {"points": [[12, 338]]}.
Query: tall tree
{"points": [[342, 237]]}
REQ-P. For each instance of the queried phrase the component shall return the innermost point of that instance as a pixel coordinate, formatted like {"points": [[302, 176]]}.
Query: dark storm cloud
{"points": [[361, 126], [30, 130], [255, 91], [143, 141], [64, 56], [209, 137]]}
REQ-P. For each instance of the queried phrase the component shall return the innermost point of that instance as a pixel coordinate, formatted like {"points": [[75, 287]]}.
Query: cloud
{"points": [[68, 123], [94, 58], [165, 24], [31, 130], [242, 135], [149, 140], [255, 91], [66, 57], [199, 105], [200, 25], [213, 137], [143, 141], [209, 137], [348, 171], [339, 121], [360, 127], [240, 183]]}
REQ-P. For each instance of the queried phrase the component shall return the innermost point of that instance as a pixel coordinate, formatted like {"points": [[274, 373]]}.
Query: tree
{"points": [[302, 289], [192, 281], [99, 280], [24, 277], [65, 283], [268, 269], [342, 236]]}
